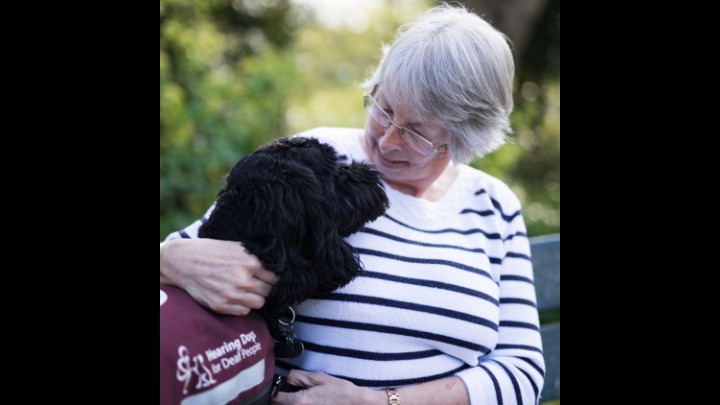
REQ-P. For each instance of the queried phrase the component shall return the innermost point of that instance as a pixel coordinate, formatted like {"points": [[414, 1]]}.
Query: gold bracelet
{"points": [[393, 396]]}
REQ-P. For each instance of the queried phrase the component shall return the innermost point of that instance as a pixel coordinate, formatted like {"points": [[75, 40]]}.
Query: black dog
{"points": [[291, 203]]}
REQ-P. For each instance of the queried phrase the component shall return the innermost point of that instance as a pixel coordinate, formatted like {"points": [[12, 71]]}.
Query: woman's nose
{"points": [[390, 139]]}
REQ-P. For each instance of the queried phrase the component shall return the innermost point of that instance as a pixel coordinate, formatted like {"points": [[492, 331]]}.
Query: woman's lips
{"points": [[389, 163]]}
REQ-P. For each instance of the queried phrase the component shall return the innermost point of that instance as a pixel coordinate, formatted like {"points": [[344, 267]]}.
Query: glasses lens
{"points": [[414, 141]]}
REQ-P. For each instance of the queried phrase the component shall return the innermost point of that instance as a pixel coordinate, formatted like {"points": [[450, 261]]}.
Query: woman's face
{"points": [[397, 162]]}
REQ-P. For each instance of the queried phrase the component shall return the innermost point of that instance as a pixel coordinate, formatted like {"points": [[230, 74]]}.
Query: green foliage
{"points": [[530, 164], [225, 74], [333, 62], [547, 317]]}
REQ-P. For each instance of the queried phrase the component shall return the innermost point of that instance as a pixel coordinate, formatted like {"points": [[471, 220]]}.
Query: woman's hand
{"points": [[320, 388], [220, 275]]}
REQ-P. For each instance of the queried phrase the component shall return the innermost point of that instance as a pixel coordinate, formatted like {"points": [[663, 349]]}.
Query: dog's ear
{"points": [[263, 205], [305, 248], [360, 196], [284, 212]]}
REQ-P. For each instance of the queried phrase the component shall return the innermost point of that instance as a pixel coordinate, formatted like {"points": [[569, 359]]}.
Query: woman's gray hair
{"points": [[453, 68]]}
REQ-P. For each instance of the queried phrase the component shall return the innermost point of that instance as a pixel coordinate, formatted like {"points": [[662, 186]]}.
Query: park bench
{"points": [[546, 265]]}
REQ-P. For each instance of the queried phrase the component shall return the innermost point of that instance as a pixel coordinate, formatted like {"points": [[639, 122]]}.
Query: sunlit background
{"points": [[236, 74]]}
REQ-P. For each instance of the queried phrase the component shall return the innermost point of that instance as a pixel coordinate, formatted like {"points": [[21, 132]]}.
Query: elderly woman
{"points": [[444, 312]]}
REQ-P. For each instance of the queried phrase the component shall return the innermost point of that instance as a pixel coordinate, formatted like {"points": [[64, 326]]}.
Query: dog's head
{"points": [[291, 203]]}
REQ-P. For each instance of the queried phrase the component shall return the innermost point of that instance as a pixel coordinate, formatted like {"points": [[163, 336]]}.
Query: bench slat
{"points": [[546, 266], [551, 348]]}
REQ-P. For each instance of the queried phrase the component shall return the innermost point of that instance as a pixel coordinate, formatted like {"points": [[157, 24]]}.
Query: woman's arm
{"points": [[514, 371], [220, 275]]}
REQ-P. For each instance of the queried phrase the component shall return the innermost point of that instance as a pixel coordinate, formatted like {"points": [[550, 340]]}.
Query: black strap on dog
{"points": [[289, 346]]}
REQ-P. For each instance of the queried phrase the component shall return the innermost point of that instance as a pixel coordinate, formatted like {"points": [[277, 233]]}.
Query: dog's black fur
{"points": [[291, 203]]}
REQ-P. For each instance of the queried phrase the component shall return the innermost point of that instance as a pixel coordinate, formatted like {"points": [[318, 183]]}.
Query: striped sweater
{"points": [[447, 289]]}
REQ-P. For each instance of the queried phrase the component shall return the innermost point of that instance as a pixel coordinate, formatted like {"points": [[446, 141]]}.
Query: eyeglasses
{"points": [[418, 143]]}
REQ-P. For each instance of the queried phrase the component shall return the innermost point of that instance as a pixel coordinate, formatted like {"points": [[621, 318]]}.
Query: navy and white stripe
{"points": [[447, 290]]}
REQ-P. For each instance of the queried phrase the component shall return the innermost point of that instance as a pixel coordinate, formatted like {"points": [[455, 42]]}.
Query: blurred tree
{"points": [[518, 19], [531, 163], [224, 76]]}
